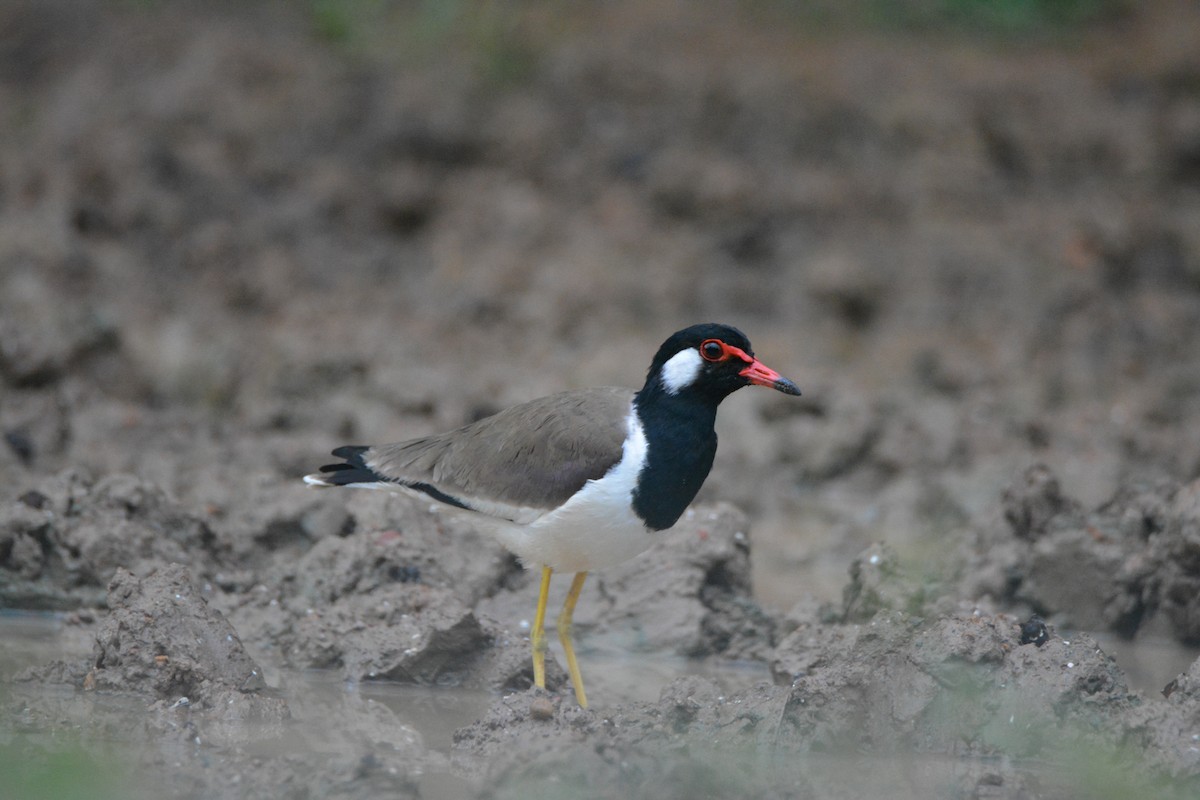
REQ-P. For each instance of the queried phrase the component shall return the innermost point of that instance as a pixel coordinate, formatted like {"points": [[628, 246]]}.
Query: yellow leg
{"points": [[564, 636], [538, 635]]}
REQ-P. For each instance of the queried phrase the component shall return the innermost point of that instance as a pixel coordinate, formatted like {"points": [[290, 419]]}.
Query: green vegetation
{"points": [[334, 20], [64, 772], [501, 40], [992, 16], [1005, 19]]}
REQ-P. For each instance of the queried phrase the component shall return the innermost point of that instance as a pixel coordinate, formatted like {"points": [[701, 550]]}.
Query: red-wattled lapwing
{"points": [[579, 480]]}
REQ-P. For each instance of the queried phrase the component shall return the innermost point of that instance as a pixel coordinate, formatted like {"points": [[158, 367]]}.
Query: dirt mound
{"points": [[689, 593], [1129, 563], [414, 597], [962, 685], [161, 637], [61, 542], [163, 640]]}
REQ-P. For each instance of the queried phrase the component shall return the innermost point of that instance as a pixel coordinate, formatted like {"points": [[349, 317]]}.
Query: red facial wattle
{"points": [[756, 372]]}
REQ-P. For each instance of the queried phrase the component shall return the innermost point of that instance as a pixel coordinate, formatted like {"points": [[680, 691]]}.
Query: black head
{"points": [[710, 361]]}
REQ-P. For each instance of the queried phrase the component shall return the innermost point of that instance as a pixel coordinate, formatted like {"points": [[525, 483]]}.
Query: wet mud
{"points": [[235, 237]]}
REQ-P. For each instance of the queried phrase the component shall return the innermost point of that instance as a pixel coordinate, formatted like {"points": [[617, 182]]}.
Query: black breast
{"points": [[681, 444]]}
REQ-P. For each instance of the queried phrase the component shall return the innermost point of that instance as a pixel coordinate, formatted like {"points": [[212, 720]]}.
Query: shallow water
{"points": [[331, 718], [611, 670], [336, 722]]}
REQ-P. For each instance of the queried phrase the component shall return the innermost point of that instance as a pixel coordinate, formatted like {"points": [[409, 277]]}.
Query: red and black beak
{"points": [[762, 375]]}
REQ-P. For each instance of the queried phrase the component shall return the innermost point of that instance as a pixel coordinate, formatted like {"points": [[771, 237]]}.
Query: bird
{"points": [[580, 480]]}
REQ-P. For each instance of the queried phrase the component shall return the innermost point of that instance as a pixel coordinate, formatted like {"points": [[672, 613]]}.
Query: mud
{"points": [[1128, 564], [962, 685], [234, 237]]}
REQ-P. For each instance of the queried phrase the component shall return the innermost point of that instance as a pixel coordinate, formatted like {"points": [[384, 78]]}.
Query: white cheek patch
{"points": [[681, 370]]}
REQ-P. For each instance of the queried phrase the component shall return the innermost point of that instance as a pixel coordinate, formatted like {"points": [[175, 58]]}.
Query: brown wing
{"points": [[520, 462]]}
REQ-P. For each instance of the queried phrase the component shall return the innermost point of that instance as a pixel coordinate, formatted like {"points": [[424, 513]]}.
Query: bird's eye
{"points": [[712, 350]]}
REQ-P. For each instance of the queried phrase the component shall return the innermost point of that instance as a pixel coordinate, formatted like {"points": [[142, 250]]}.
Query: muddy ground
{"points": [[232, 238]]}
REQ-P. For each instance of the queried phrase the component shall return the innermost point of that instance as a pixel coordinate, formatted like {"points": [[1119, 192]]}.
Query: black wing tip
{"points": [[351, 452], [354, 462], [353, 470]]}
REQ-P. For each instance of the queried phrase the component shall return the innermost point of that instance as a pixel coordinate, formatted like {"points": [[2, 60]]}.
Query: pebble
{"points": [[540, 708]]}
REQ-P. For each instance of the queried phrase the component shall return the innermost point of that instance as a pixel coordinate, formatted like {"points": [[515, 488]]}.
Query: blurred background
{"points": [[234, 235]]}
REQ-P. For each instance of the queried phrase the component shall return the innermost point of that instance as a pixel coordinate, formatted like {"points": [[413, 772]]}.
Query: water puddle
{"points": [[337, 722], [332, 719]]}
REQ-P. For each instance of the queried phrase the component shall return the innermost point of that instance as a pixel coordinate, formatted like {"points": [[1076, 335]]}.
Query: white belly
{"points": [[597, 527]]}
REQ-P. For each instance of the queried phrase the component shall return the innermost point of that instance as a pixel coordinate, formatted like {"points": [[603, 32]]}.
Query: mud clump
{"points": [[1030, 507], [1131, 561], [1177, 549], [960, 684], [878, 582], [901, 683], [162, 638], [391, 602], [689, 594], [430, 640], [41, 342], [707, 739], [61, 542]]}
